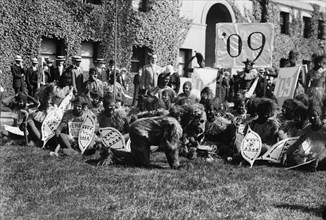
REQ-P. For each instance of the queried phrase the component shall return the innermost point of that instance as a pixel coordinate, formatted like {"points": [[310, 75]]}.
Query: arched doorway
{"points": [[217, 13]]}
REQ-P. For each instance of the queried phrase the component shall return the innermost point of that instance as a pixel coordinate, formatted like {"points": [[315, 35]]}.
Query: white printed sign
{"points": [[204, 77], [74, 128], [50, 124], [286, 83], [276, 153], [236, 43], [112, 138], [251, 146], [86, 133]]}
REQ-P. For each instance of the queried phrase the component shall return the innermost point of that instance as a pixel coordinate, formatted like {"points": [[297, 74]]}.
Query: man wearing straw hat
{"points": [[58, 70], [77, 74], [100, 69], [32, 75], [17, 71]]}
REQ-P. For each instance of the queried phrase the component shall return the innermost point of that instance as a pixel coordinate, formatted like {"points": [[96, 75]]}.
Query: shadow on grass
{"points": [[315, 211]]}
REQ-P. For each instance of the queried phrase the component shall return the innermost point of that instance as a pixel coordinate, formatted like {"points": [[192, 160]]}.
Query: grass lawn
{"points": [[34, 185]]}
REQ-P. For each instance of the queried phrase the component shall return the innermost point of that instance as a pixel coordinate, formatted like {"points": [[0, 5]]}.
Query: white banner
{"points": [[204, 77], [286, 83], [236, 43]]}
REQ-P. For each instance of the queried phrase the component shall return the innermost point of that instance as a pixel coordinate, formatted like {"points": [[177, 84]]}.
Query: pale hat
{"points": [[18, 58], [60, 58], [99, 60], [77, 58], [169, 69], [34, 60]]}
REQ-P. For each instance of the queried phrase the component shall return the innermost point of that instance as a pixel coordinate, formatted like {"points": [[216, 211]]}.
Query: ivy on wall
{"points": [[23, 23]]}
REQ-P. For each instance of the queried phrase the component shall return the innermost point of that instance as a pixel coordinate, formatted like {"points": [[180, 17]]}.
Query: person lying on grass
{"points": [[69, 143], [315, 135], [23, 105]]}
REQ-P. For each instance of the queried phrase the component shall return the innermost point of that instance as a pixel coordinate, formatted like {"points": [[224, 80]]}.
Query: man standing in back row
{"points": [[150, 74], [18, 75]]}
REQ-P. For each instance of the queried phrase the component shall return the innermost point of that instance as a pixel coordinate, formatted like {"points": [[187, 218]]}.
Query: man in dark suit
{"points": [[17, 71], [32, 75], [59, 69]]}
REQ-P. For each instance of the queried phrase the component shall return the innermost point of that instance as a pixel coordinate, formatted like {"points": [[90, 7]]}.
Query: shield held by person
{"points": [[86, 133], [112, 138], [276, 153], [251, 146], [50, 124]]}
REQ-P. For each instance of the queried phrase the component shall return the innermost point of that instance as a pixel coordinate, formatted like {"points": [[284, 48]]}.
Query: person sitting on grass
{"points": [[266, 125], [293, 128], [315, 135], [186, 96], [206, 94], [167, 98], [68, 142], [22, 105], [96, 103], [34, 124]]}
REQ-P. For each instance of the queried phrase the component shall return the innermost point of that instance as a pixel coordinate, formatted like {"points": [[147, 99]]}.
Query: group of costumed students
{"points": [[301, 116]]}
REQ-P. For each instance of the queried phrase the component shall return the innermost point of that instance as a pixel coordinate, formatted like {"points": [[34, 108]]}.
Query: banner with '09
{"points": [[236, 43]]}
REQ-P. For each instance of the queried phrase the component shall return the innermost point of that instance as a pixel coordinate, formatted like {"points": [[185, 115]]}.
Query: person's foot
{"points": [[54, 154], [69, 152]]}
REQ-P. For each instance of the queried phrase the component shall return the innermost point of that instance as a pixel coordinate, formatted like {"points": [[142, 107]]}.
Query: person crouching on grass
{"points": [[112, 118], [68, 143]]}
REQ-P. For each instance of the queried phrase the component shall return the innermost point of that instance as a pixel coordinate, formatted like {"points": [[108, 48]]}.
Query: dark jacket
{"points": [[31, 78], [18, 79]]}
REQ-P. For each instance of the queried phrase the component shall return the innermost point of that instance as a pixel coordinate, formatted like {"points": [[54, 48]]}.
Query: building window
{"points": [[144, 5], [184, 67], [95, 2], [306, 27], [89, 52], [138, 58], [284, 22], [321, 30], [51, 48]]}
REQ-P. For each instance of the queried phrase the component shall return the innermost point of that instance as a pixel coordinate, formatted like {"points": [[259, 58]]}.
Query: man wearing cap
{"points": [[77, 74], [32, 75], [48, 72], [58, 70], [100, 69], [17, 71], [150, 75], [245, 78]]}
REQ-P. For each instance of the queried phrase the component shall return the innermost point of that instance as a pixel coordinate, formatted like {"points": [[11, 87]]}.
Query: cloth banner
{"points": [[204, 77], [285, 83], [236, 43]]}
